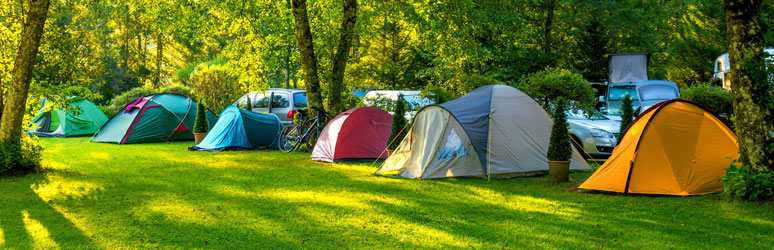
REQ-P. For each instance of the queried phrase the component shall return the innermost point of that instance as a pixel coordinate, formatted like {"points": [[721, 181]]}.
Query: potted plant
{"points": [[559, 149], [200, 124]]}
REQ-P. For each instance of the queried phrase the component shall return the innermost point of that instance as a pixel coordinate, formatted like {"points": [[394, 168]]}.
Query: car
{"points": [[413, 98], [654, 91], [594, 135], [284, 103]]}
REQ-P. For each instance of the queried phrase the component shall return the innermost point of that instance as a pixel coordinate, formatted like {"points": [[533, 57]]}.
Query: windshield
{"points": [[617, 93], [581, 115], [657, 92]]}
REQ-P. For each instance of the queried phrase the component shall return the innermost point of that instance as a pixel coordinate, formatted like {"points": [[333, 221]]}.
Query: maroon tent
{"points": [[357, 134]]}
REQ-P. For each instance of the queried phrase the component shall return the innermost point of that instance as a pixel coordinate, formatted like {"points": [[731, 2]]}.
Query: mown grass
{"points": [[104, 196]]}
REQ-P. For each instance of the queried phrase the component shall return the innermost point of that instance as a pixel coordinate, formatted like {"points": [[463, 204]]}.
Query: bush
{"points": [[216, 85], [128, 97], [747, 184], [20, 156], [559, 145], [627, 115], [398, 123], [200, 124], [547, 86], [716, 99], [380, 101]]}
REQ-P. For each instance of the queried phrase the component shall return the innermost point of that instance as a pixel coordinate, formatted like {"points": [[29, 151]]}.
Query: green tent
{"points": [[155, 118], [81, 118]]}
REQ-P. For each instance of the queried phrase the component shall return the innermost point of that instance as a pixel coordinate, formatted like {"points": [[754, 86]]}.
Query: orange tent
{"points": [[673, 148]]}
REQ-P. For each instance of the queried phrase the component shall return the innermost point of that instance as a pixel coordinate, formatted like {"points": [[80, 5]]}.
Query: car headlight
{"points": [[600, 133]]}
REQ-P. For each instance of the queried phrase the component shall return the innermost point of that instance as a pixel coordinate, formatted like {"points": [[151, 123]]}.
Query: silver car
{"points": [[282, 102], [596, 135]]}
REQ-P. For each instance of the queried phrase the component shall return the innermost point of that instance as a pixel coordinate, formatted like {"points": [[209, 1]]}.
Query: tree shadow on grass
{"points": [[27, 221]]}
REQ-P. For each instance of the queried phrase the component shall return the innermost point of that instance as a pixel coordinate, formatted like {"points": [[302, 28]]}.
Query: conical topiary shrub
{"points": [[200, 124], [559, 148]]}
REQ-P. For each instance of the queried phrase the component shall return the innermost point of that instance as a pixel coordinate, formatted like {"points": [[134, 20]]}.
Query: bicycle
{"points": [[305, 133]]}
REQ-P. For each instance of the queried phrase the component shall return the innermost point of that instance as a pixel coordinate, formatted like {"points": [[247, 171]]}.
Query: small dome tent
{"points": [[81, 118], [673, 148], [357, 134], [495, 131], [155, 118], [239, 129]]}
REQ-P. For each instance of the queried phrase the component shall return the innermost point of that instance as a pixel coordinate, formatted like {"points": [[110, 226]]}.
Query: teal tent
{"points": [[80, 118], [159, 117], [239, 129]]}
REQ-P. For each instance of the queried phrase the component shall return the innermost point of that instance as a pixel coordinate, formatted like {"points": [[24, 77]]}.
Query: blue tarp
{"points": [[239, 129], [472, 111]]}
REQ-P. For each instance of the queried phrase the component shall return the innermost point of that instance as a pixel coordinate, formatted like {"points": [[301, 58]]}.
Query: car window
{"points": [[280, 100], [657, 92], [299, 100], [260, 100], [617, 93]]}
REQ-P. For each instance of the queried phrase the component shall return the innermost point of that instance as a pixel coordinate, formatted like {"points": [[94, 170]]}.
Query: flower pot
{"points": [[198, 137], [559, 171]]}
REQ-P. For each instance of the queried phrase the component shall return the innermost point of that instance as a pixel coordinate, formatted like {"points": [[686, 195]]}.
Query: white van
{"points": [[412, 97], [723, 66]]}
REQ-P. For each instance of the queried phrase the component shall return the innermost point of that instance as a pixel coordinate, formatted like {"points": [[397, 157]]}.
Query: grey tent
{"points": [[495, 131], [627, 68]]}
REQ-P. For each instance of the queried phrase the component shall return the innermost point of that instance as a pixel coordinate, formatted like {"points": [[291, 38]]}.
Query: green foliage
{"points": [[200, 124], [128, 97], [548, 86], [399, 123], [715, 99], [627, 115], [216, 85], [300, 115], [743, 182], [380, 101], [559, 148], [20, 156]]}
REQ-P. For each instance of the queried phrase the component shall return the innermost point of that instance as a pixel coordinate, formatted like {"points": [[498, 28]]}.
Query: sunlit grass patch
{"points": [[160, 195]]}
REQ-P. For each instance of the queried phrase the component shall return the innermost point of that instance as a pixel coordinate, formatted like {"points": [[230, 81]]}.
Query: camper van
{"points": [[723, 66], [624, 72]]}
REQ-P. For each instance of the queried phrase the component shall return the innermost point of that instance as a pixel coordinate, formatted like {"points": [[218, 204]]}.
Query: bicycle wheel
{"points": [[311, 140], [290, 138]]}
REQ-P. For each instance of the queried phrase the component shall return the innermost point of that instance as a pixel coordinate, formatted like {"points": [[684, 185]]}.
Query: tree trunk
{"points": [[11, 122], [751, 90], [159, 60], [340, 58], [548, 25], [308, 60]]}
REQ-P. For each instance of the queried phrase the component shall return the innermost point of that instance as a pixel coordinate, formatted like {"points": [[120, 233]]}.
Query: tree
{"points": [[217, 86], [398, 122], [340, 58], [559, 143], [627, 115], [13, 111], [552, 84], [753, 94], [308, 59]]}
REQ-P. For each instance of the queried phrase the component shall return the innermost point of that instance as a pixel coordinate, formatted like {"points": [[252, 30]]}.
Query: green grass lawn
{"points": [[107, 196]]}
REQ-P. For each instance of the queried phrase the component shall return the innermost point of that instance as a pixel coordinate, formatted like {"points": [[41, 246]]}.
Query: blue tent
{"points": [[239, 129]]}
